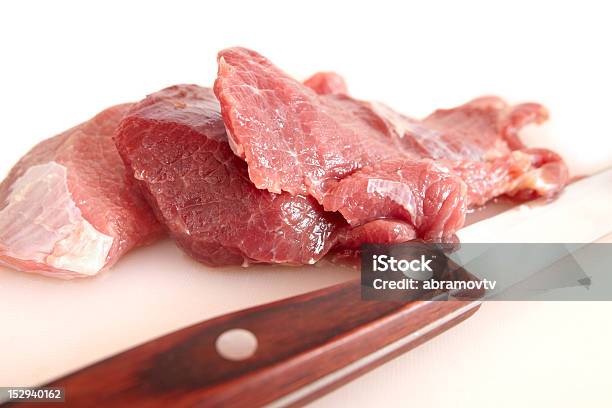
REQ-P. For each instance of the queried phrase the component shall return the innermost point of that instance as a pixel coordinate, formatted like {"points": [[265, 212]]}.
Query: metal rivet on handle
{"points": [[236, 344]]}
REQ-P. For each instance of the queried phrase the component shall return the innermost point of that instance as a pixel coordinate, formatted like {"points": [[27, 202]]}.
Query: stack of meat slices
{"points": [[267, 169]]}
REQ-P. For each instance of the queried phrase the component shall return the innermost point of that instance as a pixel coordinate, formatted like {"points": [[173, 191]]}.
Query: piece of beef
{"points": [[175, 143], [327, 82], [68, 209], [362, 158], [292, 138], [479, 142], [432, 201]]}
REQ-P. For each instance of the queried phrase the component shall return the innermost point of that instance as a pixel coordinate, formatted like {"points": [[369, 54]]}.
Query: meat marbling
{"points": [[68, 208]]}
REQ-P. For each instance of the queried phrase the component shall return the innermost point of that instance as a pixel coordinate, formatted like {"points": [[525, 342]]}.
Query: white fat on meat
{"points": [[42, 223]]}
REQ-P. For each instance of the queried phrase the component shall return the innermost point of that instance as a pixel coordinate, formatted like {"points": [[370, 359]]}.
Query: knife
{"points": [[308, 345]]}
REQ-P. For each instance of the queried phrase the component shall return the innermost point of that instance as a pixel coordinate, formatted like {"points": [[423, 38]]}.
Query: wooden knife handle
{"points": [[301, 341]]}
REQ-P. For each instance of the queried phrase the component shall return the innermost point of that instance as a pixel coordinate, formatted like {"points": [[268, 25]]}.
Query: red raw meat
{"points": [[488, 153], [414, 191], [325, 83], [292, 138], [382, 231], [367, 161], [68, 208], [175, 143]]}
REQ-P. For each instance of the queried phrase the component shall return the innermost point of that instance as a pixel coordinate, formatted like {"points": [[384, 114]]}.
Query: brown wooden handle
{"points": [[301, 341]]}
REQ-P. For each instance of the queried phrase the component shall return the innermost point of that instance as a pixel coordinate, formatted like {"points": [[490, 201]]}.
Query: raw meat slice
{"points": [[434, 195], [338, 149], [481, 129], [483, 124], [292, 138], [482, 137], [68, 209], [175, 143], [377, 231], [325, 83], [522, 174], [433, 201], [479, 142]]}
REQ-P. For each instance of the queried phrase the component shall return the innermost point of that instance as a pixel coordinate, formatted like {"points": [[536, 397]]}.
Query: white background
{"points": [[61, 62]]}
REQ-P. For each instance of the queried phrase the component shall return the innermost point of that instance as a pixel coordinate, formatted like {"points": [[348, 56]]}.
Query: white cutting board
{"points": [[50, 327]]}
